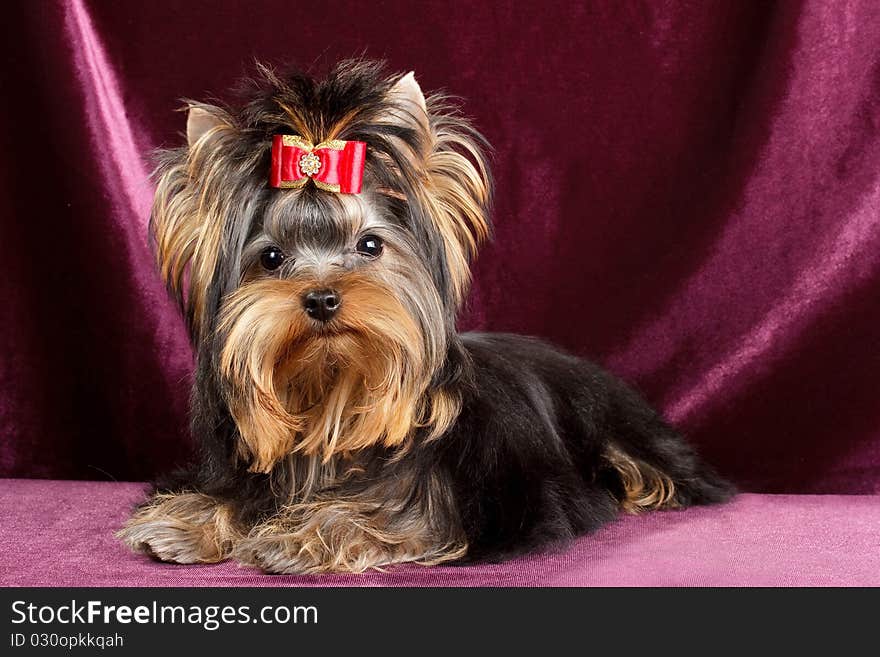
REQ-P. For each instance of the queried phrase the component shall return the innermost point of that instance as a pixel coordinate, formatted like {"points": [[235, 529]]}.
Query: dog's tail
{"points": [[651, 465]]}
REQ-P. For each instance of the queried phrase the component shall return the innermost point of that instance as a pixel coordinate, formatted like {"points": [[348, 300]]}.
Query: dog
{"points": [[318, 238]]}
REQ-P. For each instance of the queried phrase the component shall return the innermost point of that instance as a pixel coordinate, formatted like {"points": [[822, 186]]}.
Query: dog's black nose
{"points": [[322, 304]]}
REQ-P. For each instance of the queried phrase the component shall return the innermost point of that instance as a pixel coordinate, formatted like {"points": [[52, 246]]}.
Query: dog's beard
{"points": [[295, 387]]}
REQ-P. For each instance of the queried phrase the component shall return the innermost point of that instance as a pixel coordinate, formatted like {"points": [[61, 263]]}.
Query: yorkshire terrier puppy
{"points": [[318, 240]]}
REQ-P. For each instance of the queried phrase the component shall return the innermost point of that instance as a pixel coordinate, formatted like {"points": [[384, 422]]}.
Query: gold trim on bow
{"points": [[299, 142]]}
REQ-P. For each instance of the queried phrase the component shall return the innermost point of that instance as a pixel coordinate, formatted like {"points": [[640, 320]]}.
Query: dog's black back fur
{"points": [[526, 459]]}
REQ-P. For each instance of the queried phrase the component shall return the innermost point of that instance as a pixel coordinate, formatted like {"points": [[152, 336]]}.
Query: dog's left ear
{"points": [[457, 188], [410, 101]]}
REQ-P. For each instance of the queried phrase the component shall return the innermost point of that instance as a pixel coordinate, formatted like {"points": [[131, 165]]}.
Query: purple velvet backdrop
{"points": [[687, 192]]}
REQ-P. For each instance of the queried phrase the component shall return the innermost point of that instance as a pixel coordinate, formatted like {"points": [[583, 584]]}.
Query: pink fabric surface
{"points": [[60, 533]]}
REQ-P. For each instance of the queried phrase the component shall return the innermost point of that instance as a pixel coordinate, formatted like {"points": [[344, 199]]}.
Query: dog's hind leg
{"points": [[655, 467]]}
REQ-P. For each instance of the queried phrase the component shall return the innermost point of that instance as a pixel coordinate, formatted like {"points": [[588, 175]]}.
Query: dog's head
{"points": [[327, 315]]}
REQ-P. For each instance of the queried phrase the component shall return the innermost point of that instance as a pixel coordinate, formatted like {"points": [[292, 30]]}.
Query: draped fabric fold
{"points": [[688, 193]]}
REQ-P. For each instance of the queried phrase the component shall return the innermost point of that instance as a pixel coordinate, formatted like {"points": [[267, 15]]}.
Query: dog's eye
{"points": [[271, 258], [370, 245]]}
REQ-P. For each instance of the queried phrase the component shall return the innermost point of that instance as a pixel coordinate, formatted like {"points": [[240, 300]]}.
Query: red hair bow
{"points": [[334, 166]]}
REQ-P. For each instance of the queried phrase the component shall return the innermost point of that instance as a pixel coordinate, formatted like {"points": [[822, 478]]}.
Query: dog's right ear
{"points": [[190, 209], [202, 121]]}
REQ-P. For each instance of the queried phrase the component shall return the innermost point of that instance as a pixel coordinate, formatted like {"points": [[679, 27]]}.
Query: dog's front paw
{"points": [[165, 540], [341, 536], [185, 528], [278, 554]]}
